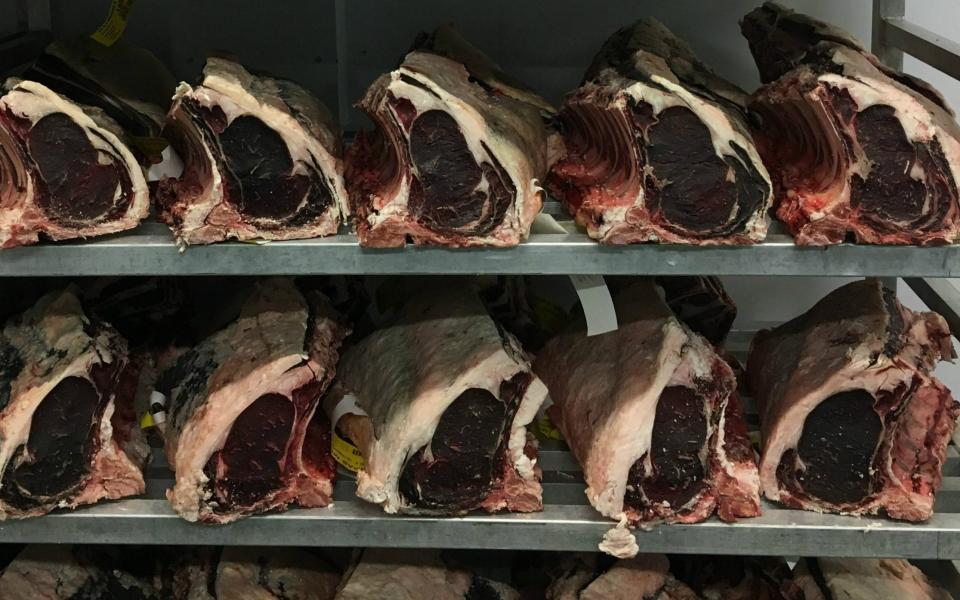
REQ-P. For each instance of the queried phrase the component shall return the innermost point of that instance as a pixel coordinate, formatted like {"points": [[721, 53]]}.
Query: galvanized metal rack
{"points": [[567, 522]]}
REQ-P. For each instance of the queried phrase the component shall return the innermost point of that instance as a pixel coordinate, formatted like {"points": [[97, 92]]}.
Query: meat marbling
{"points": [[262, 159], [65, 171], [243, 433], [458, 153], [659, 148], [851, 417], [68, 430], [651, 413], [855, 148], [450, 395]]}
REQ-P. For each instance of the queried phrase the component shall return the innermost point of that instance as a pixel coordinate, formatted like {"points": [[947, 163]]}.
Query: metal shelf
{"points": [[150, 250], [567, 523]]}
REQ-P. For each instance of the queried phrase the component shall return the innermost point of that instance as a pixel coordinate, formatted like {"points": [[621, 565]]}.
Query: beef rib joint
{"points": [[458, 153], [449, 396], [650, 412], [855, 148], [262, 159], [64, 170], [659, 149], [243, 434], [852, 420], [68, 428]]}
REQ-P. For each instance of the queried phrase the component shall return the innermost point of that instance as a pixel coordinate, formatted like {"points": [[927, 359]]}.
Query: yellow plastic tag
{"points": [[112, 29], [152, 147], [547, 429], [345, 453], [146, 421]]}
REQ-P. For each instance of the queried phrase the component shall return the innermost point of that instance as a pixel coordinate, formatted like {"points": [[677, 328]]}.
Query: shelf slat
{"points": [[935, 50], [150, 250], [566, 523]]}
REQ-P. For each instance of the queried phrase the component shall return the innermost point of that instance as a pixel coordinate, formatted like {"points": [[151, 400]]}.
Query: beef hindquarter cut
{"points": [[457, 156], [854, 148], [64, 170], [243, 434], [449, 395], [262, 159], [68, 428], [650, 412], [658, 148], [852, 420]]}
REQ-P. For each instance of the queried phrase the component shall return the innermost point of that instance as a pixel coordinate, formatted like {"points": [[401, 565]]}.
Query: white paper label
{"points": [[170, 166], [347, 406], [596, 302], [544, 223]]}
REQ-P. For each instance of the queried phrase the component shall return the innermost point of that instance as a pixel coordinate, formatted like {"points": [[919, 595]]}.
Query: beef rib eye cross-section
{"points": [[68, 428], [852, 419], [458, 153], [243, 434]]}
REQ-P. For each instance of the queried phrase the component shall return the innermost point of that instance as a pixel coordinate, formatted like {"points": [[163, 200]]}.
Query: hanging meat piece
{"points": [[651, 413], [410, 575], [855, 148], [262, 160], [242, 431], [851, 417], [449, 396], [65, 171], [659, 149], [458, 153], [864, 579], [68, 429]]}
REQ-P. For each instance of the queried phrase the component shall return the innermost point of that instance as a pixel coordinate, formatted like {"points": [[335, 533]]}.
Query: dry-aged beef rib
{"points": [[243, 434], [262, 159], [248, 573], [852, 420], [68, 429], [449, 395], [659, 149], [405, 575], [64, 170], [864, 579], [645, 576], [458, 154], [650, 411], [854, 148]]}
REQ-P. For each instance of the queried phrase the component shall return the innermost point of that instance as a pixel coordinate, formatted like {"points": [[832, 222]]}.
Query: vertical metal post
{"points": [[890, 56], [343, 95], [883, 9]]}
